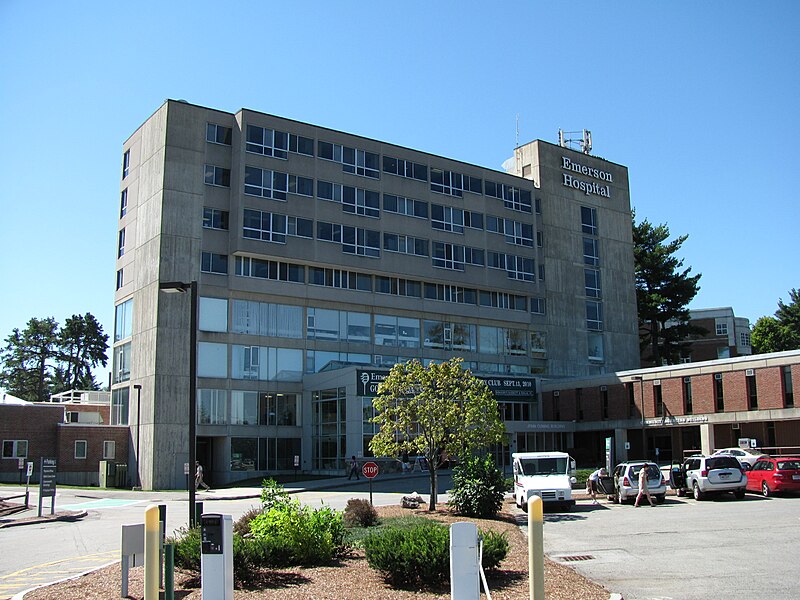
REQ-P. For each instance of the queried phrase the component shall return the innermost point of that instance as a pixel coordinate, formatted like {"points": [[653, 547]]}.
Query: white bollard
{"points": [[464, 568]]}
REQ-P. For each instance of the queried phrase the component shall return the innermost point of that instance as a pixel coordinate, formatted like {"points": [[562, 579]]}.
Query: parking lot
{"points": [[721, 548]]}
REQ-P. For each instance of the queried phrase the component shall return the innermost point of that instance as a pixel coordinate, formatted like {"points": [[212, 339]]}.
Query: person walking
{"points": [[198, 477], [643, 487], [353, 469], [592, 483]]}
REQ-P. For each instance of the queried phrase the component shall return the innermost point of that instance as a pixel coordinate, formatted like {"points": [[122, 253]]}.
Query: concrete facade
{"points": [[307, 243]]}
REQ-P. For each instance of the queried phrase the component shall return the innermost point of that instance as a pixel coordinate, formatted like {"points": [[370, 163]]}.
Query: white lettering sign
{"points": [[587, 187]]}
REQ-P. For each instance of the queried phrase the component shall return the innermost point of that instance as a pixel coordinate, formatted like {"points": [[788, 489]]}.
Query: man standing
{"points": [[592, 483], [353, 468], [198, 477]]}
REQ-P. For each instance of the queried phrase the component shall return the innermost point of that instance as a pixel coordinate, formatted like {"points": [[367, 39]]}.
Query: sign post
{"points": [[370, 471], [47, 483], [28, 483]]}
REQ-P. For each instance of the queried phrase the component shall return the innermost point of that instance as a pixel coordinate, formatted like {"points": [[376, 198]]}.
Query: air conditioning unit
{"points": [[718, 376], [556, 394], [603, 388], [656, 382], [750, 372], [735, 426], [687, 380]]}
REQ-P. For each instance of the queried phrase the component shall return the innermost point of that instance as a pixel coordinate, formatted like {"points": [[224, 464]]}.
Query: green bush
{"points": [[273, 495], [360, 513], [478, 487], [299, 534], [418, 554], [495, 549], [242, 526], [187, 548]]}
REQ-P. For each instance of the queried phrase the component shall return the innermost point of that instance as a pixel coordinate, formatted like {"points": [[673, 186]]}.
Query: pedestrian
{"points": [[592, 483], [353, 469], [406, 466], [643, 487], [198, 477]]}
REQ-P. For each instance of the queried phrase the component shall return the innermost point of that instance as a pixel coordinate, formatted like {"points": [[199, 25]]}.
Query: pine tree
{"points": [[27, 360], [781, 332]]}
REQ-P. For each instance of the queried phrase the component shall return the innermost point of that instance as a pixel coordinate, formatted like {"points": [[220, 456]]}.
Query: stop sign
{"points": [[370, 470]]}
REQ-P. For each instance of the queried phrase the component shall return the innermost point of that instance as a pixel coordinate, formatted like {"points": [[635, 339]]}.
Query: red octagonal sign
{"points": [[370, 470]]}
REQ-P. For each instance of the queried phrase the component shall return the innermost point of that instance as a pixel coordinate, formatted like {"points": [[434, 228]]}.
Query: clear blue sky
{"points": [[700, 100]]}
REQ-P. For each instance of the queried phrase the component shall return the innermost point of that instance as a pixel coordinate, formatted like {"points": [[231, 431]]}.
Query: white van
{"points": [[549, 475]]}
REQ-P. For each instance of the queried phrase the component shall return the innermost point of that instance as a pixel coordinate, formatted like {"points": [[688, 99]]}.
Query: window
{"points": [[123, 320], [397, 331], [538, 206], [214, 263], [15, 448], [123, 203], [503, 300], [719, 393], [266, 184], [724, 352], [244, 405], [405, 244], [589, 220], [218, 176], [263, 318], [744, 339], [405, 168], [264, 226], [447, 218], [538, 306], [398, 286], [354, 240], [604, 402], [520, 234], [269, 269], [659, 399], [302, 186], [358, 162], [445, 335], [591, 254], [595, 346], [214, 218], [122, 362], [80, 449], [516, 267], [299, 227], [592, 282], [473, 220], [126, 163], [540, 239], [244, 454], [360, 202], [120, 279], [268, 142], [721, 328], [594, 315], [338, 278], [280, 409], [121, 243], [752, 392], [513, 198], [405, 206], [218, 134], [448, 256], [109, 449], [687, 395], [447, 182], [212, 407], [788, 389], [541, 271]]}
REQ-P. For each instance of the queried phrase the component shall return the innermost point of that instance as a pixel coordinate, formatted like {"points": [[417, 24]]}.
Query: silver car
{"points": [[626, 481], [704, 475]]}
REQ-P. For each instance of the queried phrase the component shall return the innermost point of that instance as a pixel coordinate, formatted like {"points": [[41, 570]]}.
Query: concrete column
{"points": [[707, 438], [620, 438]]}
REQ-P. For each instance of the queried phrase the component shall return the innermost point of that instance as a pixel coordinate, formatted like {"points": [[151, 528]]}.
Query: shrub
{"points": [[187, 548], [242, 526], [418, 554], [495, 549], [360, 513], [273, 495], [478, 487]]}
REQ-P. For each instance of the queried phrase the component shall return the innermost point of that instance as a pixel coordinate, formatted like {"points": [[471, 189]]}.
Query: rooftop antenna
{"points": [[567, 139], [516, 145]]}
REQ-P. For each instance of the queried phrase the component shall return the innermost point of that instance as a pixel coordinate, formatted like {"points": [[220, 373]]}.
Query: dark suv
{"points": [[704, 475]]}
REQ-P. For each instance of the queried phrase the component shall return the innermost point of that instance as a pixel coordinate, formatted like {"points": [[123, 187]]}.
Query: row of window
{"points": [[16, 449], [278, 144]]}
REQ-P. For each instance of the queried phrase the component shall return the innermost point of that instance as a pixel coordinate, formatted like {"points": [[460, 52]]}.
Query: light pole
{"points": [[138, 389], [182, 288], [640, 379]]}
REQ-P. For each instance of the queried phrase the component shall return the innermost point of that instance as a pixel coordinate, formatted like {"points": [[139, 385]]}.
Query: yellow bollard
{"points": [[536, 548], [152, 534]]}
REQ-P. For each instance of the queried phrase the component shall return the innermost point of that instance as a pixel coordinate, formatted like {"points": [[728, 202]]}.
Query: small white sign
{"points": [[753, 442], [30, 469], [627, 445], [744, 442], [185, 468]]}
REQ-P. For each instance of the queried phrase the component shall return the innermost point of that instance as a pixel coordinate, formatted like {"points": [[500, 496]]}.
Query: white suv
{"points": [[626, 481], [704, 475]]}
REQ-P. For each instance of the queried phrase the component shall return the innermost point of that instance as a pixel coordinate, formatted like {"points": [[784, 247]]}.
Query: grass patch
{"points": [[356, 535]]}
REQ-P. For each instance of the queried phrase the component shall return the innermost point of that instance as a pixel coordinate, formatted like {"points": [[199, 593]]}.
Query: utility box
{"points": [[464, 568], [216, 556], [107, 474]]}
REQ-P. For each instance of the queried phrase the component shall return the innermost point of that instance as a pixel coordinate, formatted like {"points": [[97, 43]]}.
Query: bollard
{"points": [[464, 566], [152, 533], [169, 572], [536, 548]]}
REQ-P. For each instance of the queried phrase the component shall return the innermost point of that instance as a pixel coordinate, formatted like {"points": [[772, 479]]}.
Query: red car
{"points": [[770, 475]]}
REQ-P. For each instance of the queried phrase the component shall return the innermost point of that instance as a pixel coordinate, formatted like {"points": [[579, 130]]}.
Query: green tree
{"points": [[664, 289], [81, 347], [781, 332], [434, 411], [27, 360]]}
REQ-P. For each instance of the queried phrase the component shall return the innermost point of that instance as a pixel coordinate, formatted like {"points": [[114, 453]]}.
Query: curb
{"points": [[64, 516]]}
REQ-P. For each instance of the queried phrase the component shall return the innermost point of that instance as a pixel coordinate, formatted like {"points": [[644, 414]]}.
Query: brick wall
{"points": [[36, 423]]}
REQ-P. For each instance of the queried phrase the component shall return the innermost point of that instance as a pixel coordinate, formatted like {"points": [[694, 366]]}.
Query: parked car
{"points": [[743, 455], [703, 475], [626, 481], [773, 475]]}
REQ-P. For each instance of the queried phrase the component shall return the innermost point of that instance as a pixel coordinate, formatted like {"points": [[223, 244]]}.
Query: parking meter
{"points": [[216, 558]]}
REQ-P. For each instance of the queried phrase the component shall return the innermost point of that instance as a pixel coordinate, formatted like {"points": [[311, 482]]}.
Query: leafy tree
{"points": [[664, 289], [43, 359], [81, 347], [27, 360], [434, 411], [781, 332]]}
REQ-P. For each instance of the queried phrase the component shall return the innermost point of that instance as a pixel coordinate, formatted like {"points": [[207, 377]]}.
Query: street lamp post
{"points": [[138, 389], [181, 287], [640, 379]]}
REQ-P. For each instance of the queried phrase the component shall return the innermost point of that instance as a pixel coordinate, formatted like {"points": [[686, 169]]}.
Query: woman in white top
{"points": [[643, 487]]}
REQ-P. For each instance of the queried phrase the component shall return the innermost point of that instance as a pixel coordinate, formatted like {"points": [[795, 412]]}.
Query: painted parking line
{"points": [[51, 572], [104, 503]]}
